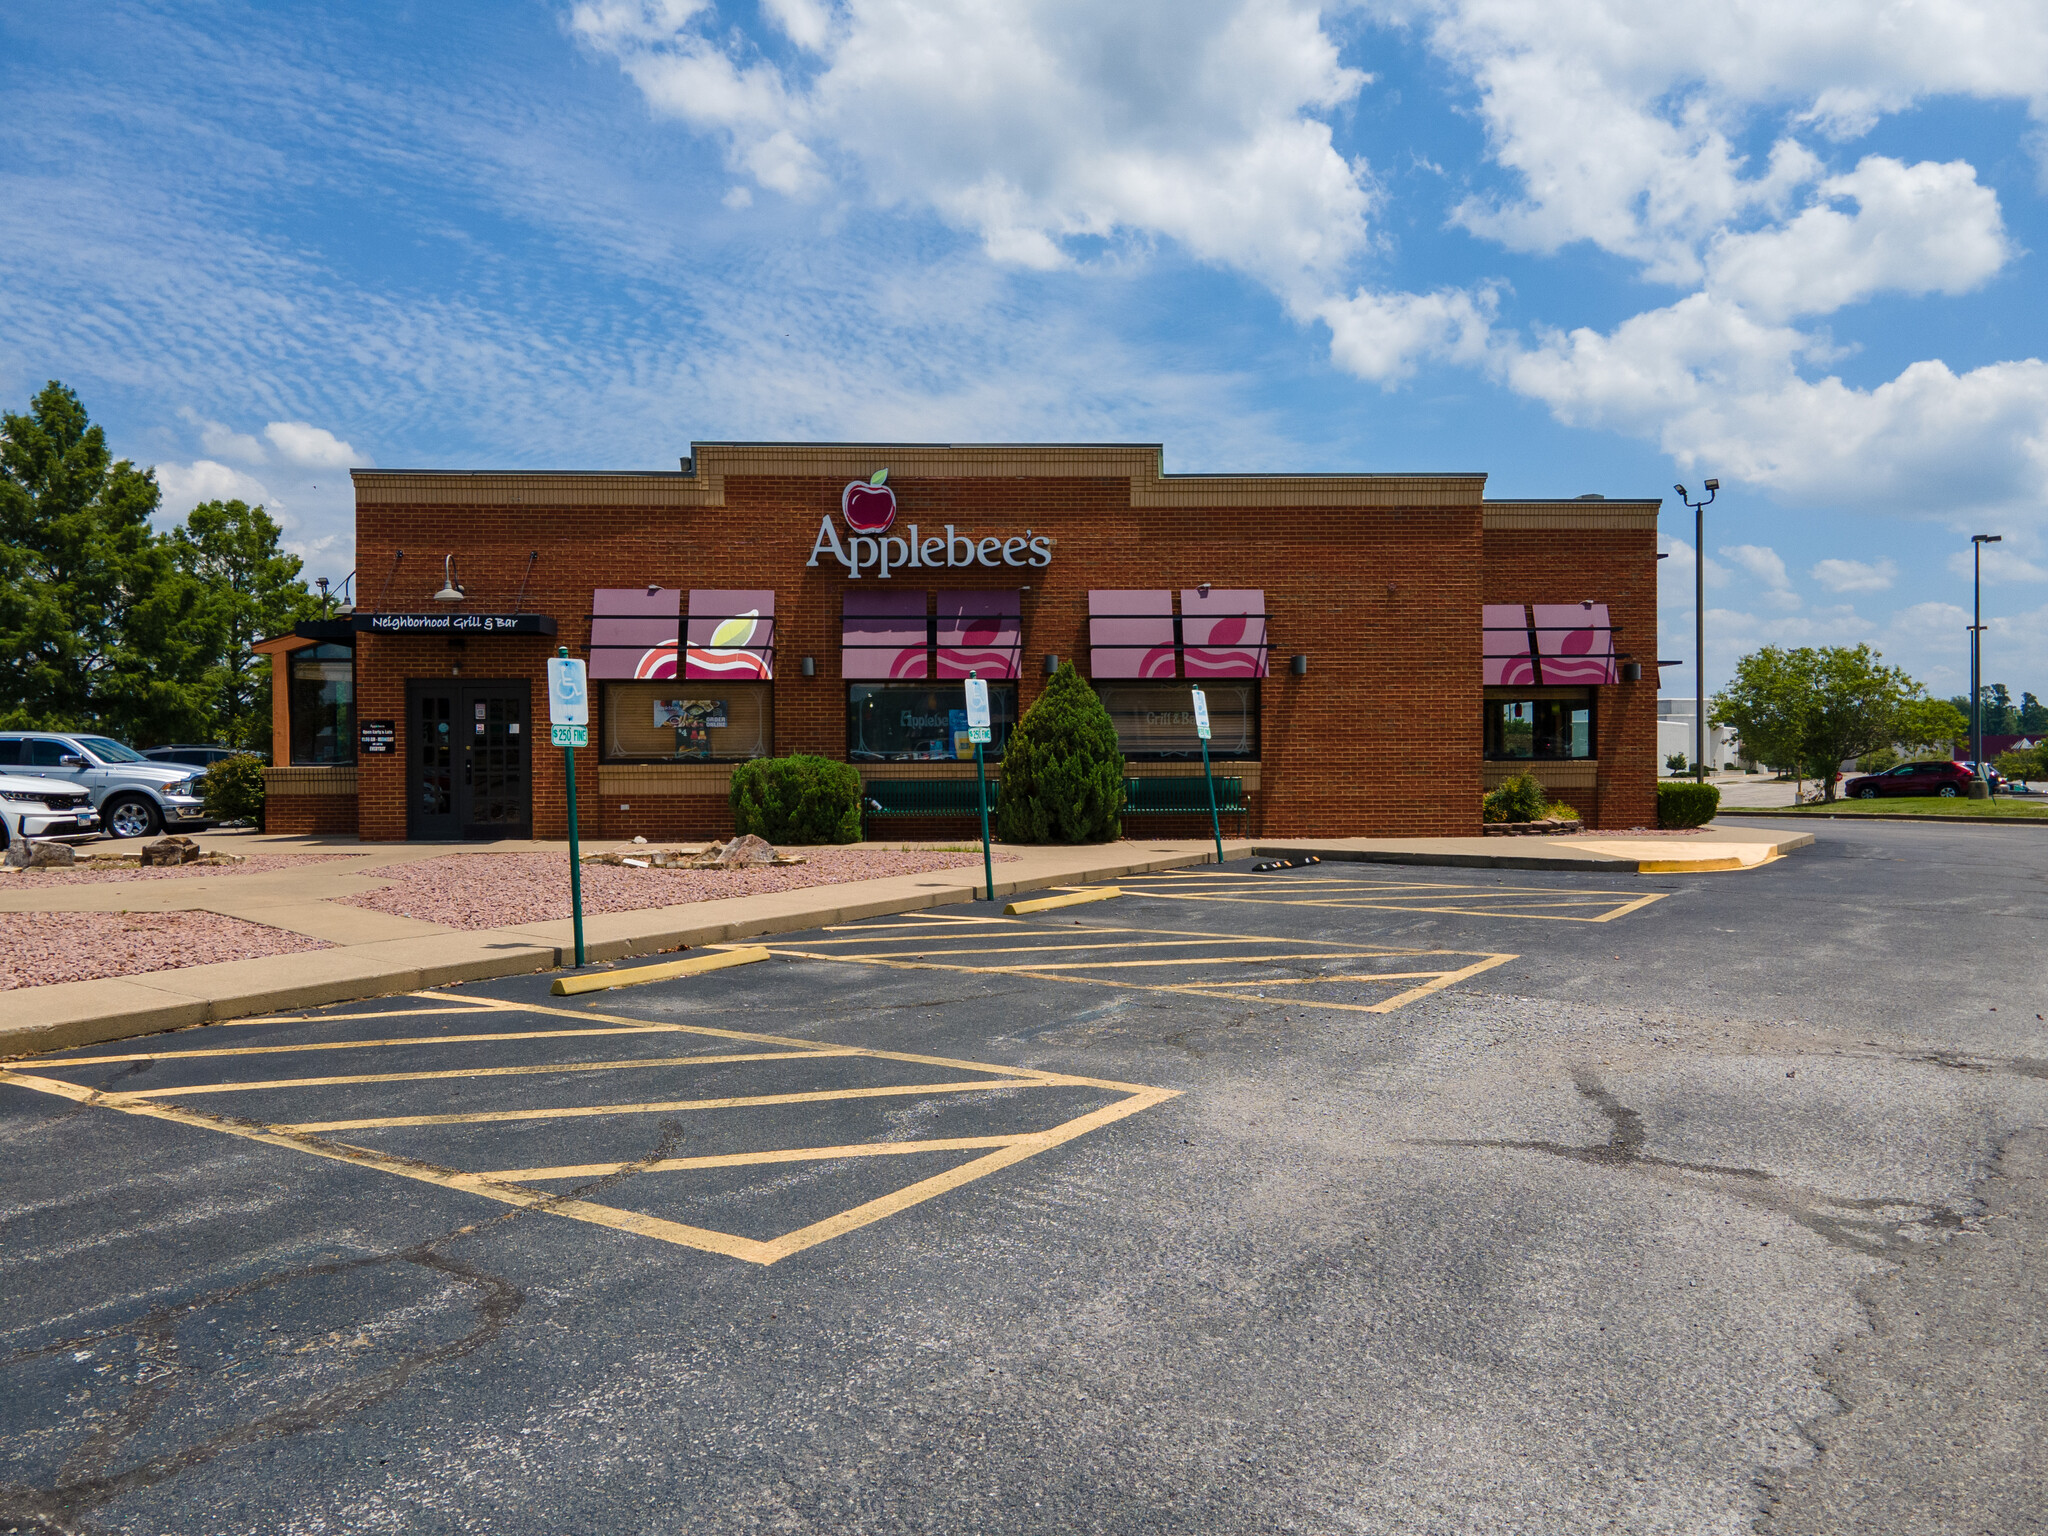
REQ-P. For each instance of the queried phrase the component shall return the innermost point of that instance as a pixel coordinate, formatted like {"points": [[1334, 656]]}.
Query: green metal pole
{"points": [[988, 863], [575, 846], [1215, 826]]}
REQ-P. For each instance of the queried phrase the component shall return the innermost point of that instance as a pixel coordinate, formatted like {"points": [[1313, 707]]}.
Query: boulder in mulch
{"points": [[169, 852], [23, 854], [1550, 826]]}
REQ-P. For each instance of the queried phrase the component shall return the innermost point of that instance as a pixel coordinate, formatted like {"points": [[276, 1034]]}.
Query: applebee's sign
{"points": [[868, 508]]}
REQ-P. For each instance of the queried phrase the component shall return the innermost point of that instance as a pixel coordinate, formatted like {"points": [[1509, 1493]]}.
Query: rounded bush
{"points": [[1687, 805], [1519, 799], [1063, 772], [233, 788], [797, 800]]}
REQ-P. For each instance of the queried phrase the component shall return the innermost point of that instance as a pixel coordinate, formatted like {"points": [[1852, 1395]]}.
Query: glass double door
{"points": [[469, 760]]}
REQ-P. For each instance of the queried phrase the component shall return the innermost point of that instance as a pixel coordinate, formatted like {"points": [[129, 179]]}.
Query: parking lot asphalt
{"points": [[1330, 1199]]}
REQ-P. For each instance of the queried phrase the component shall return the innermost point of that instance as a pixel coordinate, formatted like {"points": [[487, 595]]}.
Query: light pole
{"points": [[1699, 626], [1979, 790]]}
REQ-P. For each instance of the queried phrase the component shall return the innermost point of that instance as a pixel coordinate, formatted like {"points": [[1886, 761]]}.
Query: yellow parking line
{"points": [[1071, 899], [1311, 981], [468, 1072], [1388, 906], [1635, 906], [669, 1106], [1132, 965], [311, 1018], [604, 981], [355, 1045], [751, 1159]]}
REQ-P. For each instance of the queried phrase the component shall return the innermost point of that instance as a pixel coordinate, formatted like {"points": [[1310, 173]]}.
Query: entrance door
{"points": [[468, 760]]}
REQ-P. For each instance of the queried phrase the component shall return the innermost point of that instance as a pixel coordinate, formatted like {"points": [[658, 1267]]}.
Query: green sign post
{"points": [[978, 732], [1202, 730], [569, 728]]}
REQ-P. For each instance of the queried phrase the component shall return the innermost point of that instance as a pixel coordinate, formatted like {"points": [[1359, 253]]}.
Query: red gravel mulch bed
{"points": [[86, 872], [493, 890], [38, 948]]}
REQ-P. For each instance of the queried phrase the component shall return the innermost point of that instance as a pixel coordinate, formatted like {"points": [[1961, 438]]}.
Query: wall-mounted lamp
{"points": [[1631, 671], [451, 590], [809, 667], [1298, 666], [1202, 587], [1052, 665], [653, 587]]}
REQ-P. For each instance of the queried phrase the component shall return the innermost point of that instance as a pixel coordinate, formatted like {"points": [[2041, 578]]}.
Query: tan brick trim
{"points": [[1138, 464], [1504, 516], [1580, 773], [629, 779], [334, 780]]}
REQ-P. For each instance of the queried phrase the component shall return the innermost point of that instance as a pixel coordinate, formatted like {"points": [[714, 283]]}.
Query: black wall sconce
{"points": [[1052, 665], [1298, 666], [810, 667], [1631, 671]]}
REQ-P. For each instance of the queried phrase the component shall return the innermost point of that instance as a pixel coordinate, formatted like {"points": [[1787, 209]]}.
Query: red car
{"points": [[1949, 780]]}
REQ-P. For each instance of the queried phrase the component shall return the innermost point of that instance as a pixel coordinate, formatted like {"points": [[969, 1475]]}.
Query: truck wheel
{"points": [[131, 816]]}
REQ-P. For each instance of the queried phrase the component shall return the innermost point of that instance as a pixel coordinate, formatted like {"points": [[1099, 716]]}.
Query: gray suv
{"points": [[134, 796]]}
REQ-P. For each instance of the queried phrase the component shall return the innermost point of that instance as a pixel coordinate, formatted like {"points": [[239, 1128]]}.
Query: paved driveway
{"points": [[1334, 1199]]}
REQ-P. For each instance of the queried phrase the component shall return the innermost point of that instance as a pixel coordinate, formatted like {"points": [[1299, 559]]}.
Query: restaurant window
{"points": [[1156, 721], [922, 722], [1539, 723], [322, 705], [687, 722]]}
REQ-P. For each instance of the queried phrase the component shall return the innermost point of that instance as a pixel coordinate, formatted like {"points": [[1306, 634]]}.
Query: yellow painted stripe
{"points": [[1316, 981], [1634, 906], [1686, 866], [1071, 899], [1449, 978], [668, 1106], [966, 1173], [1389, 906], [323, 1017], [751, 1159], [469, 1072], [696, 965], [357, 1045]]}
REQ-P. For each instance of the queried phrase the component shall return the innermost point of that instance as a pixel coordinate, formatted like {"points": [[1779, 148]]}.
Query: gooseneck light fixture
{"points": [[1699, 626], [451, 590]]}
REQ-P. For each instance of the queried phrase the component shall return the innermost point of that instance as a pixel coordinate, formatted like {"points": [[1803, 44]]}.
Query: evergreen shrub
{"points": [[1063, 772], [797, 800], [1686, 805], [1519, 799], [233, 788]]}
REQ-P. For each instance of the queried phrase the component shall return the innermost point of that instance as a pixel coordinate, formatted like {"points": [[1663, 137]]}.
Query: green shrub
{"points": [[1686, 805], [1519, 799], [1557, 810], [233, 788], [1675, 762], [1063, 772], [797, 800]]}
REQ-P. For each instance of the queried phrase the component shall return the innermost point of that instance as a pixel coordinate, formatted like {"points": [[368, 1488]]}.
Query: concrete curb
{"points": [[1935, 819], [34, 1020], [1557, 859]]}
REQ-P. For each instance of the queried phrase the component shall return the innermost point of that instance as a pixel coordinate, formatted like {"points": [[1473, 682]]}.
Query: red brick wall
{"points": [[1381, 737], [1618, 568], [309, 813]]}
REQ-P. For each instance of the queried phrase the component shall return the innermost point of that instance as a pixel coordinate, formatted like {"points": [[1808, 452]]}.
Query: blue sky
{"points": [[1579, 244]]}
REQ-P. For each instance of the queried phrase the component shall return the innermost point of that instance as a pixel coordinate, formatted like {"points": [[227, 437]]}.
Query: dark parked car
{"points": [[194, 756], [1946, 779]]}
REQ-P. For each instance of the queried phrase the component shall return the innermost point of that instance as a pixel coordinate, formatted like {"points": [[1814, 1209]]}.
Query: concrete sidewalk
{"points": [[377, 953]]}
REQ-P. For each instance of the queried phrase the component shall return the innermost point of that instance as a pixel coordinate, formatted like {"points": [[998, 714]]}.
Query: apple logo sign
{"points": [[868, 506]]}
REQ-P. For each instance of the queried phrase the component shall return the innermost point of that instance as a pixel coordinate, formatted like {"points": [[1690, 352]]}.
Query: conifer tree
{"points": [[1063, 772]]}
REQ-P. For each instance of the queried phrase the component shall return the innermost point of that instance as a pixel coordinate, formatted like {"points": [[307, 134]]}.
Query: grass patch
{"points": [[1931, 806]]}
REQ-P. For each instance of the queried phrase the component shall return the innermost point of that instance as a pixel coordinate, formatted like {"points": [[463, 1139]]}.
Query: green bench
{"points": [[1183, 797], [924, 798]]}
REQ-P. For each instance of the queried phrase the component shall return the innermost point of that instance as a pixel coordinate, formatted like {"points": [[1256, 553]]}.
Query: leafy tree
{"points": [[252, 590], [2001, 717], [1063, 772], [1817, 707], [80, 573], [2033, 715]]}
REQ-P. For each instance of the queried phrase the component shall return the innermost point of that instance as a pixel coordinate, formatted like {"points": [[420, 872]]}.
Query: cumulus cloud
{"points": [[1381, 336], [185, 486], [1767, 566], [1855, 575], [1034, 124], [309, 446]]}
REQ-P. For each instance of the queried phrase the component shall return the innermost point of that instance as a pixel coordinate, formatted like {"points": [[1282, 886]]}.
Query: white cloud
{"points": [[2002, 564], [223, 441], [1855, 575], [311, 447], [1035, 123], [1381, 336], [185, 486], [1917, 229], [1761, 561], [1678, 568]]}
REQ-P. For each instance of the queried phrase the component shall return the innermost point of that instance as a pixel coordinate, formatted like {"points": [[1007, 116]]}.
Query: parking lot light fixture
{"points": [[1979, 789], [1699, 625]]}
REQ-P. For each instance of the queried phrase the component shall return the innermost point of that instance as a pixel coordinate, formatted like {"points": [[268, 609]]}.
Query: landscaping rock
{"points": [[23, 854], [746, 850], [1552, 826], [170, 852]]}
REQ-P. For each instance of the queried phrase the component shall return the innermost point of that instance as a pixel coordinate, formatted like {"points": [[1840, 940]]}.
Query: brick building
{"points": [[1376, 650]]}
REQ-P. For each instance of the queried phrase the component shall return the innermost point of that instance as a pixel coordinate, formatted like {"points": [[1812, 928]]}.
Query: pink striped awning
{"points": [[1223, 633], [731, 635], [1130, 634], [1509, 660], [1575, 643], [883, 635], [633, 632], [982, 633]]}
